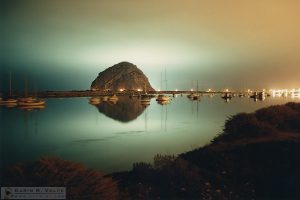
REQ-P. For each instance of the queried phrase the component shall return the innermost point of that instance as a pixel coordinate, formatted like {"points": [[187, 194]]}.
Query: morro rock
{"points": [[122, 76]]}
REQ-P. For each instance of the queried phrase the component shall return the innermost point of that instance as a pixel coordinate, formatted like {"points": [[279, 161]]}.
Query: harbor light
{"points": [[121, 90], [192, 90], [139, 90], [226, 90], [176, 90]]}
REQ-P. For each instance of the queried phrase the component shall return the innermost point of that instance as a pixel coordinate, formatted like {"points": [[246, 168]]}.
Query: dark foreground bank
{"points": [[256, 157]]}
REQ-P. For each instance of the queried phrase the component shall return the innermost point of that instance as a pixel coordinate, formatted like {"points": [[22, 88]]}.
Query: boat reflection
{"points": [[10, 104], [95, 100], [30, 108], [226, 97], [145, 101], [163, 102]]}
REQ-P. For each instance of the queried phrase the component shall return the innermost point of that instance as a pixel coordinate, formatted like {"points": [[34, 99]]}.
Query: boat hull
{"points": [[38, 103]]}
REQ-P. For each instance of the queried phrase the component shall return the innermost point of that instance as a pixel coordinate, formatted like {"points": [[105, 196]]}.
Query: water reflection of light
{"points": [[294, 93]]}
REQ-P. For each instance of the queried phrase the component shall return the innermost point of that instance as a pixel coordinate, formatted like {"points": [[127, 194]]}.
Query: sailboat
{"points": [[227, 96], [9, 102], [36, 102], [161, 97], [30, 101], [145, 98], [194, 96], [26, 98]]}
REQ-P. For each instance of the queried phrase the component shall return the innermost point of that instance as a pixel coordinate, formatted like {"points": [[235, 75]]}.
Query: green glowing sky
{"points": [[235, 43]]}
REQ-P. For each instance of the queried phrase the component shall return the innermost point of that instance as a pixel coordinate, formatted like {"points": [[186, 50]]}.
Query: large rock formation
{"points": [[124, 75]]}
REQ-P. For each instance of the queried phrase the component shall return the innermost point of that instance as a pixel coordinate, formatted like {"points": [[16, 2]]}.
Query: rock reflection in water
{"points": [[124, 110]]}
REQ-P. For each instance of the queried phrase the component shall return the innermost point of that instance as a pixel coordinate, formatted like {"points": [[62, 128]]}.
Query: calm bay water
{"points": [[111, 137]]}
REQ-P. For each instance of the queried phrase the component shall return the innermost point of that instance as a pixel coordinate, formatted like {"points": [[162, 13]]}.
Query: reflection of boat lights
{"points": [[285, 92]]}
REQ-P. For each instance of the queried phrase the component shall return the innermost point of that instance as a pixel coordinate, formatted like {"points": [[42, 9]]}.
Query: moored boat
{"points": [[8, 101], [27, 99], [104, 98], [162, 97], [113, 98], [194, 96], [37, 102]]}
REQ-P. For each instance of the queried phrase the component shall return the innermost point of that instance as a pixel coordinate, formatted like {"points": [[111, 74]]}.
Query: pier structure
{"points": [[91, 93]]}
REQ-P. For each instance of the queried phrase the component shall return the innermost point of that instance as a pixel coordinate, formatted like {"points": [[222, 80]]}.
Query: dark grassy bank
{"points": [[80, 182], [256, 157]]}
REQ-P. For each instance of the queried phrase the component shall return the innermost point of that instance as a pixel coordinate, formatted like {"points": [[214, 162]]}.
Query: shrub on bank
{"points": [[80, 182], [282, 117]]}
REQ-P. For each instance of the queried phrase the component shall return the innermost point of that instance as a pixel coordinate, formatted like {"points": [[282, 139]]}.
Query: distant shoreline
{"points": [[90, 93]]}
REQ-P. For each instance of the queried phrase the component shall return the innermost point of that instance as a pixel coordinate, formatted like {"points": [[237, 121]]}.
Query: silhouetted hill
{"points": [[123, 75]]}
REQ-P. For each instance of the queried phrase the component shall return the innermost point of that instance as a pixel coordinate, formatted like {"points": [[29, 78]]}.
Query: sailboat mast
{"points": [[35, 91], [166, 78], [9, 83], [161, 81], [26, 91]]}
